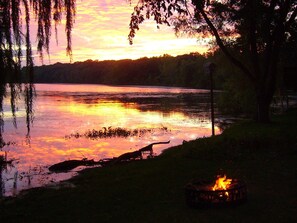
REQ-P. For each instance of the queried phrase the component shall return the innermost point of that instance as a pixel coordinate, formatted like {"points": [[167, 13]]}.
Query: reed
{"points": [[263, 155]]}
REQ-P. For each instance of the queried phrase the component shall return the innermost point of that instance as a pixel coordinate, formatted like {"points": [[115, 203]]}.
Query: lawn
{"points": [[263, 155]]}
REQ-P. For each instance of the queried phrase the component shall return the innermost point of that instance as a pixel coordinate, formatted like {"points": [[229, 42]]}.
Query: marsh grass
{"points": [[263, 155]]}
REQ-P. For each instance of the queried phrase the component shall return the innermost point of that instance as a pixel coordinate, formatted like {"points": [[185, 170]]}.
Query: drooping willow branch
{"points": [[16, 61]]}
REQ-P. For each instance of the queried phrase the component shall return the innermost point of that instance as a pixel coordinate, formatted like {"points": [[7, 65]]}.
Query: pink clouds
{"points": [[100, 33]]}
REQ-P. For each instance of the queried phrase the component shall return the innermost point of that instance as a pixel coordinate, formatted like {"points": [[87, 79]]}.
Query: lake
{"points": [[65, 114]]}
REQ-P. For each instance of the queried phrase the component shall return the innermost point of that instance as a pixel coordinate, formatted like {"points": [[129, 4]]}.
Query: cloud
{"points": [[101, 32]]}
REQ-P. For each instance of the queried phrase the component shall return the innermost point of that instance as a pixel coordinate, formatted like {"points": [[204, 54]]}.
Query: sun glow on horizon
{"points": [[101, 33]]}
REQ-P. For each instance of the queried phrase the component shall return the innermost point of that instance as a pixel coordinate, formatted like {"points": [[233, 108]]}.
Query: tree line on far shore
{"points": [[179, 71]]}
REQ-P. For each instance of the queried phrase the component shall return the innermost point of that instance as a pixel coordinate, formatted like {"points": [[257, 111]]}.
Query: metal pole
{"points": [[1, 182], [209, 69], [211, 103]]}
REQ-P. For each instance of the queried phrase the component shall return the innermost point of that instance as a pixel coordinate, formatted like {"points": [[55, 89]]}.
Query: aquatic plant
{"points": [[114, 132]]}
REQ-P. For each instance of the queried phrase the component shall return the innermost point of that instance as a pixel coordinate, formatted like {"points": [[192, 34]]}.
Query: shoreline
{"points": [[263, 155]]}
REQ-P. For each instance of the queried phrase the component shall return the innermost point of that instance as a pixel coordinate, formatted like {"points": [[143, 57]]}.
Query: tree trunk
{"points": [[264, 93], [263, 108]]}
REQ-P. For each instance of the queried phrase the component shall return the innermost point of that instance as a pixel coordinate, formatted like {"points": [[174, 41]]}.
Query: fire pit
{"points": [[223, 192]]}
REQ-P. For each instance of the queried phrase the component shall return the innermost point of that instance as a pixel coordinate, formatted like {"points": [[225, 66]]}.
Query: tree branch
{"points": [[223, 47], [275, 44], [291, 19], [253, 40]]}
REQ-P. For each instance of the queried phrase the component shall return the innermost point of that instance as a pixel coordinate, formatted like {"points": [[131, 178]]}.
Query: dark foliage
{"points": [[182, 71], [251, 34], [13, 16]]}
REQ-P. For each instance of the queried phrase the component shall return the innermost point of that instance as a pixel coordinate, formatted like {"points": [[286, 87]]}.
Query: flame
{"points": [[222, 183]]}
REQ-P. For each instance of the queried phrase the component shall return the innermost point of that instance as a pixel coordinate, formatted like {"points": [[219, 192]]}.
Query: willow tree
{"points": [[16, 48], [250, 33]]}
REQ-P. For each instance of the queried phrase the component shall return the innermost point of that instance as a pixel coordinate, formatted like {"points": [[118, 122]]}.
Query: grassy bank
{"points": [[264, 156]]}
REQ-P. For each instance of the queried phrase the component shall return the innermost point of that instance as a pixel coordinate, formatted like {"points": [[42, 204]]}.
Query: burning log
{"points": [[224, 192], [222, 183]]}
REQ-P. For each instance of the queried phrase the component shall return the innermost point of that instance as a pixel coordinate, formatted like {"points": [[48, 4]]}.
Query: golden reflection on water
{"points": [[103, 107], [58, 115]]}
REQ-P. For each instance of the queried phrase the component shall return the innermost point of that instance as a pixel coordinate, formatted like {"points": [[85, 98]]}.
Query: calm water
{"points": [[61, 111]]}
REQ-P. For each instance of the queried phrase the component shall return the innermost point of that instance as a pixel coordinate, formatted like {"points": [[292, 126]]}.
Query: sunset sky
{"points": [[100, 33]]}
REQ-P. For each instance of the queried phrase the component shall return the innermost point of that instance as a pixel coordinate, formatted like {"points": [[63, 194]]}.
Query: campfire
{"points": [[221, 192]]}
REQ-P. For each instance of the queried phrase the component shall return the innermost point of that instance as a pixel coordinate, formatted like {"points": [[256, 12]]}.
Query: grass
{"points": [[263, 155]]}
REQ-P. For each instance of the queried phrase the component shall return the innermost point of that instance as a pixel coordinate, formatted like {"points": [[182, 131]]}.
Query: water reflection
{"points": [[113, 132], [63, 110]]}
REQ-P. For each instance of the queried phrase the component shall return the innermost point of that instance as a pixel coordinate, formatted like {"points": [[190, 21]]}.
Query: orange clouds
{"points": [[100, 33]]}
